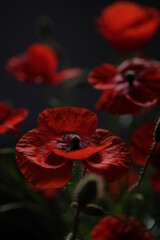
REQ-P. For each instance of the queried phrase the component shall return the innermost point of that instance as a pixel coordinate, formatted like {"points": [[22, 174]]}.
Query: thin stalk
{"points": [[76, 224], [84, 172], [147, 163], [7, 150]]}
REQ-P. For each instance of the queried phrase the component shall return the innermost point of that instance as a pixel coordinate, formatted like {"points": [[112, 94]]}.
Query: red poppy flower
{"points": [[39, 65], [141, 143], [127, 25], [128, 89], [116, 188], [45, 154], [113, 229], [11, 119]]}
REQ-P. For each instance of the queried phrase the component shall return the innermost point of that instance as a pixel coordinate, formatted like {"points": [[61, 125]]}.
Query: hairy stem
{"points": [[147, 163]]}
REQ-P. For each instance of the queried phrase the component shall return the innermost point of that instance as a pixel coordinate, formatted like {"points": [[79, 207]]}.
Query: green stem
{"points": [[7, 150], [147, 163], [76, 225], [84, 172]]}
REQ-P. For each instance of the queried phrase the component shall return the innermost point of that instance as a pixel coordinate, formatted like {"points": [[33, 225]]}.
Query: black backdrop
{"points": [[74, 29]]}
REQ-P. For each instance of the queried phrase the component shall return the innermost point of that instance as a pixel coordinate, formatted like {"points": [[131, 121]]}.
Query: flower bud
{"points": [[86, 190], [157, 131], [69, 236], [74, 205], [93, 210]]}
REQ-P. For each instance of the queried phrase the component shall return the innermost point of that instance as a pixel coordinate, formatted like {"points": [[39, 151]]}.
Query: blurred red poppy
{"points": [[11, 119], [39, 65], [127, 25], [141, 143], [114, 229], [131, 87], [45, 154], [117, 187]]}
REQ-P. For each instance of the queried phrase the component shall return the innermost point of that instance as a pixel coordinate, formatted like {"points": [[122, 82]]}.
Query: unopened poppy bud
{"points": [[86, 190], [69, 236], [94, 210], [157, 131]]}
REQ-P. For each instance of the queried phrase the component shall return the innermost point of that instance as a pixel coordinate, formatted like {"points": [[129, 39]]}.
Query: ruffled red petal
{"points": [[11, 119], [151, 79], [155, 181], [66, 74], [113, 229], [39, 165], [128, 26], [113, 161], [68, 119], [102, 76], [117, 102]]}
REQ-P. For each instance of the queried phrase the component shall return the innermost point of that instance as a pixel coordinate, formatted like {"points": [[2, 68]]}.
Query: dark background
{"points": [[74, 28]]}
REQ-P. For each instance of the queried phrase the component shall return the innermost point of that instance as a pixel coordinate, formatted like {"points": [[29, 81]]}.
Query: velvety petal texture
{"points": [[113, 161], [113, 229], [128, 26], [44, 155], [129, 88], [40, 166], [68, 119], [39, 65], [11, 119]]}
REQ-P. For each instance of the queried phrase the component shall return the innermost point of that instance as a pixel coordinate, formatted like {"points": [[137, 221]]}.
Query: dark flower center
{"points": [[75, 140], [71, 142], [130, 76]]}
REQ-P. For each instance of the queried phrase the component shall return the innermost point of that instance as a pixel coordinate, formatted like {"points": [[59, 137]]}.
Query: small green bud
{"points": [[86, 191], [93, 210], [69, 236]]}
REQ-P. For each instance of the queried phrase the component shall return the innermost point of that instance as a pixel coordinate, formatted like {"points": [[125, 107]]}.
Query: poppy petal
{"points": [[98, 141], [66, 74], [119, 103], [68, 119], [112, 162], [39, 165], [11, 119], [102, 76]]}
